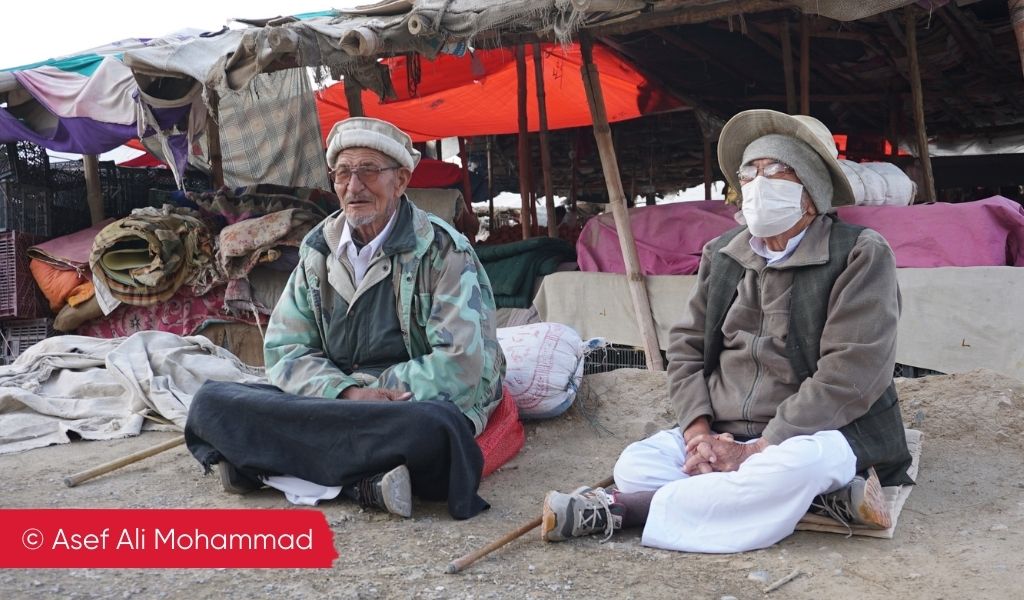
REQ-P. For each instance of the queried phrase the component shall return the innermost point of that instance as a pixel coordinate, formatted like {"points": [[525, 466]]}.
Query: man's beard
{"points": [[359, 221]]}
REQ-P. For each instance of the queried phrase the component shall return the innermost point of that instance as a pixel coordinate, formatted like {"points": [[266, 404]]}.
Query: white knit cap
{"points": [[365, 132]]}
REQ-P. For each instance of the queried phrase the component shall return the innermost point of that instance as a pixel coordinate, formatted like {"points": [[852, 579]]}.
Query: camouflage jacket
{"points": [[445, 307]]}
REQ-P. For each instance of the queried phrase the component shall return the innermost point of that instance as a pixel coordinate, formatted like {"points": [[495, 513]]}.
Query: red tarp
{"points": [[476, 94]]}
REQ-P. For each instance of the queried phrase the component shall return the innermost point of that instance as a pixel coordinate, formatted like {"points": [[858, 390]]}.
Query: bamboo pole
{"points": [[1017, 20], [354, 97], [467, 187], [602, 133], [524, 142], [707, 166], [490, 187], [805, 65], [787, 66], [93, 193], [213, 139], [545, 150], [82, 476], [918, 94]]}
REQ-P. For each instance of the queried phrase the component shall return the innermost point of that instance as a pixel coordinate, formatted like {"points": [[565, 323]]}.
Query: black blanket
{"points": [[261, 430]]}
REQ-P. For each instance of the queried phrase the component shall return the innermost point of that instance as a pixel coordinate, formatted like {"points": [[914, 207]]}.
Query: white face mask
{"points": [[771, 206]]}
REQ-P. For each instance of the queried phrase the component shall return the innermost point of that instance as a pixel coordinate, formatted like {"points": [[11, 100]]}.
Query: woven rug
{"points": [[896, 495]]}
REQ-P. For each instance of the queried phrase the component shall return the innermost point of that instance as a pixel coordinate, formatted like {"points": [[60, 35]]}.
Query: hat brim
{"points": [[750, 125]]}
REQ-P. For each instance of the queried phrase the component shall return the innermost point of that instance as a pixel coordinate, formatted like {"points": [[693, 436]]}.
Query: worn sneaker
{"points": [[234, 481], [583, 512], [861, 502], [391, 491]]}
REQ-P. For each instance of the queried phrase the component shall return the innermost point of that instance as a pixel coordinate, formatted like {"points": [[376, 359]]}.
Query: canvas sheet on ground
{"points": [[954, 319]]}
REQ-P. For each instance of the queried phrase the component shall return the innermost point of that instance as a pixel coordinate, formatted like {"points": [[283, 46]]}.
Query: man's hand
{"points": [[354, 392], [719, 452]]}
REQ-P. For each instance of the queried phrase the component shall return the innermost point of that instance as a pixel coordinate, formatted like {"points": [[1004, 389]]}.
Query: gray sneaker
{"points": [[391, 491], [860, 502], [583, 512]]}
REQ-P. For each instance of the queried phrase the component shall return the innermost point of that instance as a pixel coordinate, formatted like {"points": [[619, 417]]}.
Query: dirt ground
{"points": [[959, 536]]}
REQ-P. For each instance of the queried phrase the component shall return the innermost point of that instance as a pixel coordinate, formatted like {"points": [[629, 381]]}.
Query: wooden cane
{"points": [[462, 562], [77, 478]]}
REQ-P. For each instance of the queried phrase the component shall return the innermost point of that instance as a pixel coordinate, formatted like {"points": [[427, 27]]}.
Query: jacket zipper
{"points": [[748, 401]]}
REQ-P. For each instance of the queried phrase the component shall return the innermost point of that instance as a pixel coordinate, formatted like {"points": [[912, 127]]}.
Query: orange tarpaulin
{"points": [[476, 94]]}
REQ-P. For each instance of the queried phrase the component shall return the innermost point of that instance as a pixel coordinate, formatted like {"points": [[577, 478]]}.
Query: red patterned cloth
{"points": [[182, 314]]}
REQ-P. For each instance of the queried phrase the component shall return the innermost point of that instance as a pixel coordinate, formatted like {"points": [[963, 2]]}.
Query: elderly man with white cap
{"points": [[382, 348], [780, 371]]}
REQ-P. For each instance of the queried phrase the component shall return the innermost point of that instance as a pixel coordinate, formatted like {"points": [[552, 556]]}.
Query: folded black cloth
{"points": [[262, 430]]}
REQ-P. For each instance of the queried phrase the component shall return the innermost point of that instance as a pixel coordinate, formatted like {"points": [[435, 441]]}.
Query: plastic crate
{"points": [[18, 336], [25, 163], [20, 297]]}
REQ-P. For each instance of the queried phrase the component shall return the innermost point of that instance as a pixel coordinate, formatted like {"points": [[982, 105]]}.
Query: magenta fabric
{"points": [[670, 237], [987, 232]]}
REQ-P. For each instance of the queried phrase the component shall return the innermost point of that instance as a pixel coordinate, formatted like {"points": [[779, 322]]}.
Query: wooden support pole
{"points": [[354, 97], [1017, 20], [93, 193], [524, 142], [467, 187], [707, 167], [490, 188], [895, 115], [787, 66], [573, 179], [616, 198], [918, 94], [805, 65], [545, 150], [213, 140]]}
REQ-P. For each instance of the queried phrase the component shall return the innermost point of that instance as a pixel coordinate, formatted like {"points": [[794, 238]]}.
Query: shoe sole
{"points": [[396, 487], [873, 510], [549, 522], [224, 470]]}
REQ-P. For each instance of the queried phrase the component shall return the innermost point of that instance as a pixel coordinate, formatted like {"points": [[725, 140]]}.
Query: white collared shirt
{"points": [[361, 258], [758, 246]]}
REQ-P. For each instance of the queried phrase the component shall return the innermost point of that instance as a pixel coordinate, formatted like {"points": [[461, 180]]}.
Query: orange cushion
{"points": [[503, 437], [55, 283]]}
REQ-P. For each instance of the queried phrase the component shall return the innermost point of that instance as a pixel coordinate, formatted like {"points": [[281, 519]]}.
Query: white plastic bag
{"points": [[544, 367]]}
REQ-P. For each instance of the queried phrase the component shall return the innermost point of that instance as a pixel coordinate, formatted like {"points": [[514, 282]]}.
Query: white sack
{"points": [[879, 183], [544, 367]]}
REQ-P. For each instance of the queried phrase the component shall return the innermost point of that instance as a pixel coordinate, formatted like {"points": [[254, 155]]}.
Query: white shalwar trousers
{"points": [[750, 508]]}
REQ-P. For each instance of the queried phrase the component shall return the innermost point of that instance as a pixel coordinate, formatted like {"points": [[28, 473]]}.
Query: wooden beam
{"points": [[787, 65], [213, 140], [545, 150], [490, 188], [524, 143], [685, 16], [915, 84], [354, 97], [93, 193], [805, 65], [616, 198]]}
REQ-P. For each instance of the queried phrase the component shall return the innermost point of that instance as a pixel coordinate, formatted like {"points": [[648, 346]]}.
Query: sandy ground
{"points": [[960, 534]]}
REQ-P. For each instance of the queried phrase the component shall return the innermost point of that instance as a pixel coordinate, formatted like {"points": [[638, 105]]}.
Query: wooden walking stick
{"points": [[462, 562], [77, 478]]}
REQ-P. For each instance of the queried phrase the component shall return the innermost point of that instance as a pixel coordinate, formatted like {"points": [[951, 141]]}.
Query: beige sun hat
{"points": [[750, 125]]}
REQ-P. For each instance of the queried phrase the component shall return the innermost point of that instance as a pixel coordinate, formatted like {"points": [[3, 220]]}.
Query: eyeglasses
{"points": [[747, 173], [366, 173]]}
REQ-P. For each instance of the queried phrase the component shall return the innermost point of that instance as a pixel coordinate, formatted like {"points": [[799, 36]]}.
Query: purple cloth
{"points": [[987, 232], [80, 135], [670, 237]]}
